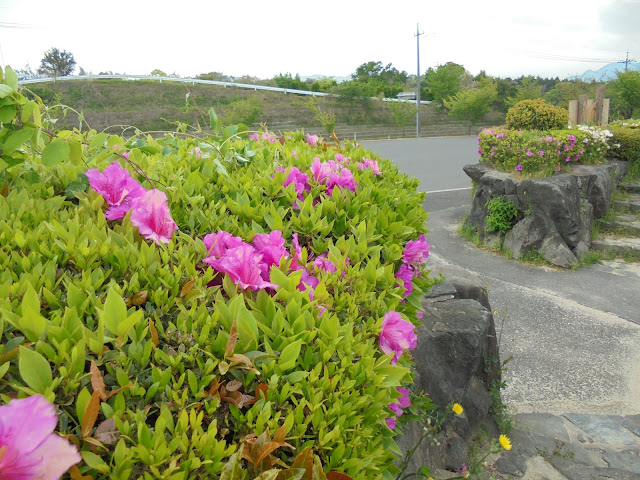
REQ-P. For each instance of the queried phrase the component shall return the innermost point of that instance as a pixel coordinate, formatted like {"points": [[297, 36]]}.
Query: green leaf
{"points": [[98, 140], [393, 375], [214, 121], [34, 370], [233, 469], [5, 90], [289, 355], [11, 78], [7, 112], [114, 311], [75, 151], [16, 139], [56, 152]]}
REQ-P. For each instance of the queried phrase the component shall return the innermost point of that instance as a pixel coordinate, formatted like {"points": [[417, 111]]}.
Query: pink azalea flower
{"points": [[294, 154], [529, 153], [480, 151], [391, 422], [218, 243], [268, 137], [28, 447], [323, 262], [150, 213], [271, 247], [299, 179], [321, 170], [308, 281], [125, 155], [416, 252], [396, 335], [117, 187], [342, 180], [404, 401], [420, 314], [395, 408], [312, 139], [372, 164], [519, 167], [243, 264], [254, 136], [297, 253], [196, 151], [342, 159], [405, 274]]}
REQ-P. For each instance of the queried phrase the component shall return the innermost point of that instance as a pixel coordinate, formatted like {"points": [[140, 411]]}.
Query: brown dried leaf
{"points": [[305, 460], [106, 432], [233, 385], [76, 475], [280, 435], [266, 451], [231, 342], [240, 358], [338, 476], [97, 382], [262, 388], [113, 392], [154, 333], [91, 414], [5, 190], [186, 288], [139, 298]]}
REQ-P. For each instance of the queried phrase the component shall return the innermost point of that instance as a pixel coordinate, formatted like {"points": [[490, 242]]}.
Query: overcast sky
{"points": [[260, 38]]}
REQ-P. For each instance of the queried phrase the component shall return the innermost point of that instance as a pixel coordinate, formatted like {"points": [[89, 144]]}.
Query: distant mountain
{"points": [[606, 73]]}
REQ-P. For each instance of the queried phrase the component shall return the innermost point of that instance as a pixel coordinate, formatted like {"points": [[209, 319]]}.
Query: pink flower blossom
{"points": [[396, 336], [372, 164], [480, 151], [342, 159], [150, 213], [529, 153], [420, 314], [391, 422], [28, 447], [125, 155], [405, 274], [243, 265], [323, 262], [196, 151], [567, 159], [343, 179], [254, 136], [308, 281], [312, 139], [416, 252], [321, 170], [271, 247], [268, 137], [294, 154], [540, 152], [298, 178], [117, 187], [519, 167], [558, 168], [218, 243]]}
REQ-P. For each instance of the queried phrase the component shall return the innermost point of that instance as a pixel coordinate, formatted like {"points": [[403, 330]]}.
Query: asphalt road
{"points": [[574, 335]]}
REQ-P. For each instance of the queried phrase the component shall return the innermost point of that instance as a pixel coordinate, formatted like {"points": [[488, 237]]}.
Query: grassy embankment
{"points": [[151, 105]]}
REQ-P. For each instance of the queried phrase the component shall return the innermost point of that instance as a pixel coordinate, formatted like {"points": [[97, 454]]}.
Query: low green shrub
{"points": [[536, 153], [536, 115], [626, 138], [501, 215], [159, 365]]}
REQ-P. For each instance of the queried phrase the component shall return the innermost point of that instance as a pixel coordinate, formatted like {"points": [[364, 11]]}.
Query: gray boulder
{"points": [[554, 250], [527, 235]]}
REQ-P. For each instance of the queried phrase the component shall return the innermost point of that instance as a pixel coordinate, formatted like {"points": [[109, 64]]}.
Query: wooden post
{"points": [[582, 109], [573, 113], [590, 112], [600, 105], [605, 111]]}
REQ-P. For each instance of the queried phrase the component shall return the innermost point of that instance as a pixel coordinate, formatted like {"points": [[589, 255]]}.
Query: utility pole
{"points": [[626, 62], [417, 35]]}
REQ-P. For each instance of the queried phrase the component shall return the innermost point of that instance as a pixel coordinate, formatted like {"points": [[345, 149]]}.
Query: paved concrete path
{"points": [[573, 336]]}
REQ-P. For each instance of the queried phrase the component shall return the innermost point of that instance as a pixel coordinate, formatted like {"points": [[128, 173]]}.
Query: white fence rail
{"points": [[193, 81]]}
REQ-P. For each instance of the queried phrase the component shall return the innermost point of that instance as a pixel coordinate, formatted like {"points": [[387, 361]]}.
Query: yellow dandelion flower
{"points": [[457, 409], [505, 442]]}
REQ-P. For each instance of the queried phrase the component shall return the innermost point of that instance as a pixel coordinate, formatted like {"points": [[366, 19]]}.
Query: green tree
{"points": [[404, 113], [529, 89], [287, 81], [323, 84], [246, 111], [627, 91], [471, 104], [57, 63], [444, 81], [221, 77], [564, 91], [158, 73], [381, 79]]}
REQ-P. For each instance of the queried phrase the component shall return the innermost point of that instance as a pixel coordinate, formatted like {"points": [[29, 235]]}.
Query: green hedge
{"points": [[536, 114], [92, 302], [626, 134]]}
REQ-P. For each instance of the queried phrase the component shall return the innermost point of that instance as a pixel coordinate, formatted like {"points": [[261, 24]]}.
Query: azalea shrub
{"points": [[536, 153], [189, 305], [536, 114]]}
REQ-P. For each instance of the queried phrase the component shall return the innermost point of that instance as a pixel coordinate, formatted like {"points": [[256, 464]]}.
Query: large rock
{"points": [[565, 205], [456, 360]]}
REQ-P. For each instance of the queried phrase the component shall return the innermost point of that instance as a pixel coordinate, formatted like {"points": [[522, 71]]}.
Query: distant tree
{"points": [[627, 90], [529, 89], [158, 73], [221, 77], [564, 91], [56, 63], [323, 84], [471, 104], [444, 81], [354, 92], [383, 79], [81, 71], [287, 81], [404, 113]]}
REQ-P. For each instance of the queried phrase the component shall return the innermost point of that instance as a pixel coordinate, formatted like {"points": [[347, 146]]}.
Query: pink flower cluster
{"points": [[312, 139], [299, 179], [372, 164], [265, 136], [333, 174], [414, 257], [396, 336], [28, 447], [403, 402], [149, 208]]}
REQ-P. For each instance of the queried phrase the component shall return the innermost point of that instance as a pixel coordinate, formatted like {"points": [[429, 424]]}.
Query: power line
{"points": [[564, 58], [13, 25]]}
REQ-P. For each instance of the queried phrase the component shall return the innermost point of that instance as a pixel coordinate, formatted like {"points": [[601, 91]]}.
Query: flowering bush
{"points": [[538, 153], [174, 328], [626, 136]]}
